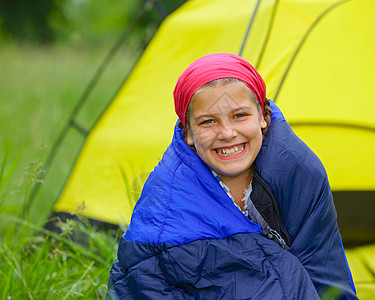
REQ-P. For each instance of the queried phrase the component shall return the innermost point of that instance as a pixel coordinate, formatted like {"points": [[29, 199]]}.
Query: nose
{"points": [[227, 131]]}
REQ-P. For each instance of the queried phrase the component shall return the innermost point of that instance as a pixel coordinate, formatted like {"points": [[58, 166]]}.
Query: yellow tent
{"points": [[362, 264], [316, 58]]}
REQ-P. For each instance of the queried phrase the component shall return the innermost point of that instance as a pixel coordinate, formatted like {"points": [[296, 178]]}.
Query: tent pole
{"points": [[270, 27], [318, 19], [146, 8], [249, 27]]}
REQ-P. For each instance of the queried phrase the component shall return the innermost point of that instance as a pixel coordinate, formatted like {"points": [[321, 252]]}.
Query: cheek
{"points": [[251, 129], [258, 139], [203, 138], [255, 136]]}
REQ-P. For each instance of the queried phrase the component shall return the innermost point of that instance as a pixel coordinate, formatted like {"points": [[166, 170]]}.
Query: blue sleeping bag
{"points": [[187, 240]]}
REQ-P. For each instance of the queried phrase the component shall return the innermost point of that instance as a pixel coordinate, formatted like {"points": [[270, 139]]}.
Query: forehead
{"points": [[223, 97]]}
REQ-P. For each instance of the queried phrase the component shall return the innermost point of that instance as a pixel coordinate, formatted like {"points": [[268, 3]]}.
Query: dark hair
{"points": [[267, 112]]}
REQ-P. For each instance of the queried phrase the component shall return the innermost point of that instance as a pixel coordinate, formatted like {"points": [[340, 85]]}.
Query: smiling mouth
{"points": [[230, 151]]}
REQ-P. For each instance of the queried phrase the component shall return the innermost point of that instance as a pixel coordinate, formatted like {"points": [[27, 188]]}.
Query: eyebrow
{"points": [[243, 108], [232, 111]]}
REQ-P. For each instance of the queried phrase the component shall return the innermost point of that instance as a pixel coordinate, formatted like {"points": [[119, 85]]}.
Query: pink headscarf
{"points": [[212, 67]]}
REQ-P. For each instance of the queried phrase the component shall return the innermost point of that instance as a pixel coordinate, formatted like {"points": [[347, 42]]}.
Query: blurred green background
{"points": [[75, 22], [51, 55], [50, 51]]}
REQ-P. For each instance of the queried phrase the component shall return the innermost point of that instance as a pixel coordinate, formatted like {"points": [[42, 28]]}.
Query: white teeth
{"points": [[231, 151]]}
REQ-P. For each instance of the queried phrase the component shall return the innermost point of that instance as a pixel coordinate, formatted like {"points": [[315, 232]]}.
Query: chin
{"points": [[232, 173]]}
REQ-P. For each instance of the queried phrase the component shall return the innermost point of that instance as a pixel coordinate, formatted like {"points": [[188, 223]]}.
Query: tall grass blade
{"points": [[4, 175], [71, 291], [16, 265]]}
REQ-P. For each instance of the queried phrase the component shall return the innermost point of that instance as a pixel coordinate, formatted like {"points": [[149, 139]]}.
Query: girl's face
{"points": [[226, 127]]}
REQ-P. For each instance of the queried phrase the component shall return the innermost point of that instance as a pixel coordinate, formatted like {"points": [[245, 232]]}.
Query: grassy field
{"points": [[39, 88], [68, 263]]}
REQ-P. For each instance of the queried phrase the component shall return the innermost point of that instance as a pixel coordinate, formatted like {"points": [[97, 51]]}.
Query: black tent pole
{"points": [[71, 122], [302, 42], [249, 27]]}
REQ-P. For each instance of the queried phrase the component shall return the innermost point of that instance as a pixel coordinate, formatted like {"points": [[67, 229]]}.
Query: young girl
{"points": [[238, 207]]}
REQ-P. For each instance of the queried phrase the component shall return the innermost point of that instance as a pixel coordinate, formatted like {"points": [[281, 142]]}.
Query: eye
{"points": [[206, 122], [239, 115]]}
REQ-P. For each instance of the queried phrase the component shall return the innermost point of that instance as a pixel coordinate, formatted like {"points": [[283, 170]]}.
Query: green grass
{"points": [[45, 265], [39, 87], [38, 90], [36, 263]]}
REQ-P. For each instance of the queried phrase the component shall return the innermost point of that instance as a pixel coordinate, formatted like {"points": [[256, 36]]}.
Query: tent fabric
{"points": [[184, 220], [316, 58], [362, 264]]}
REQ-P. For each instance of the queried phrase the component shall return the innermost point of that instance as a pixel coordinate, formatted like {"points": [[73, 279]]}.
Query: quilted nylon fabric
{"points": [[187, 240]]}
